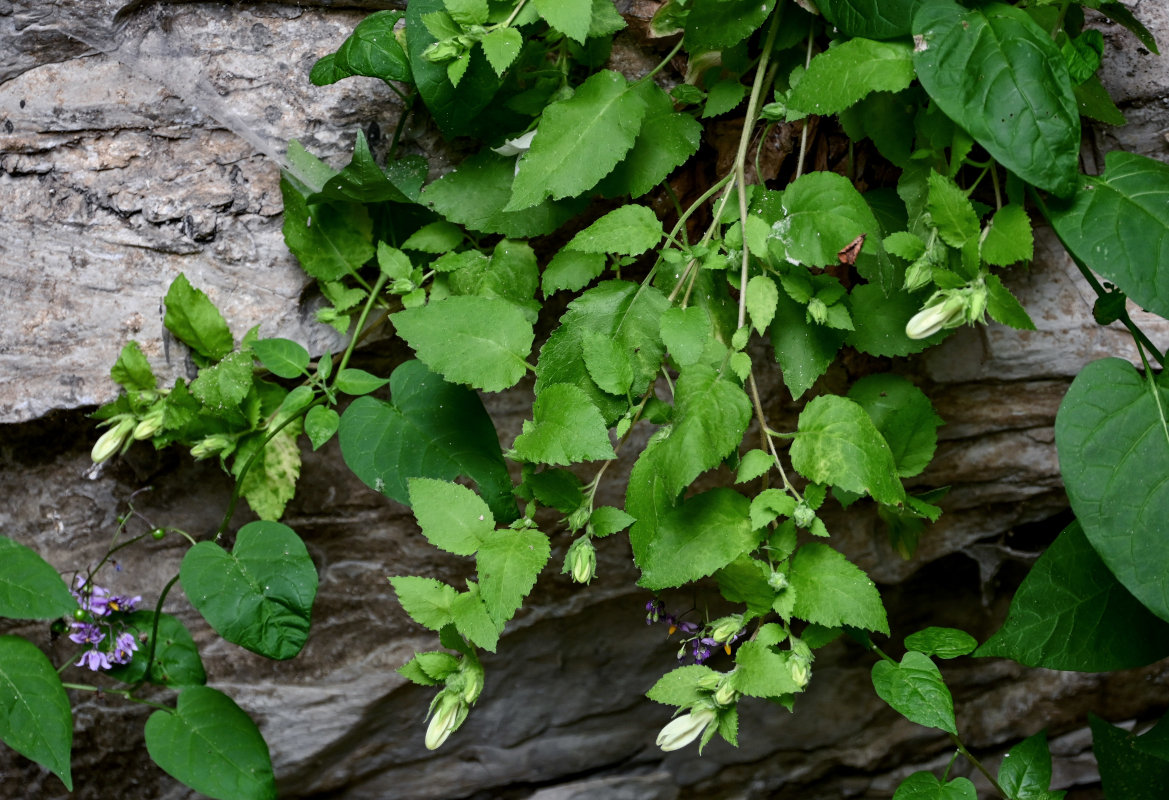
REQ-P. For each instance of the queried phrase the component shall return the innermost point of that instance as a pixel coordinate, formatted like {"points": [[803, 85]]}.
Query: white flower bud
{"points": [[685, 729], [112, 440], [150, 424], [726, 695], [450, 713], [517, 146], [723, 630], [939, 313], [581, 560]]}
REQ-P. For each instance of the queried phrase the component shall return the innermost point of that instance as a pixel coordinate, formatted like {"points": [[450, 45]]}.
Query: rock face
{"points": [[139, 141]]}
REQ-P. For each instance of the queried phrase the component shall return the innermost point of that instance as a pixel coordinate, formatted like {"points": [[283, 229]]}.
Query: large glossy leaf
{"points": [[1118, 224], [35, 719], [29, 587], [1112, 435], [430, 429], [1126, 772], [996, 73], [176, 658], [1071, 613], [260, 595], [873, 19], [211, 745]]}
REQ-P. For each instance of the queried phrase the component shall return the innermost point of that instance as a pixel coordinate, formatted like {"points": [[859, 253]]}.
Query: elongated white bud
{"points": [[685, 729]]}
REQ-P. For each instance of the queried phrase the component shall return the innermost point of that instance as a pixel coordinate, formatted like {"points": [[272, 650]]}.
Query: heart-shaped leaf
{"points": [[29, 587], [35, 719]]}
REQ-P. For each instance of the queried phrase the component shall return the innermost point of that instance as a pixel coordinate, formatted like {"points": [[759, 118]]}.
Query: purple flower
{"points": [[95, 660], [124, 647], [123, 603], [701, 649], [86, 633], [653, 611], [93, 598]]}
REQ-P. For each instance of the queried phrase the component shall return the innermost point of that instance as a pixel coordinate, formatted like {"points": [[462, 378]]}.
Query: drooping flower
{"points": [[124, 648], [449, 712], [86, 633], [685, 729]]}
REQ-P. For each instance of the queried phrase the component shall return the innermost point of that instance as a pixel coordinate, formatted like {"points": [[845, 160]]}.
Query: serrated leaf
{"points": [[606, 520], [1071, 613], [570, 270], [837, 444], [724, 96], [452, 517], [211, 745], [330, 240], [501, 46], [479, 341], [924, 786], [762, 300], [271, 479], [879, 322], [754, 464], [941, 642], [284, 358], [473, 621], [432, 429], [705, 533], [832, 591], [999, 75], [176, 658], [475, 194], [822, 214], [628, 230], [1008, 237], [260, 595], [720, 24], [508, 562], [1125, 771], [224, 385], [195, 321], [426, 600], [840, 76], [744, 580], [570, 17], [904, 244], [1004, 307], [436, 237], [769, 504], [903, 415], [762, 672], [609, 364], [579, 140], [30, 588], [682, 686], [915, 690], [1025, 773], [1118, 224], [873, 19], [566, 429], [951, 211], [685, 332], [666, 140], [803, 349], [35, 717], [132, 370]]}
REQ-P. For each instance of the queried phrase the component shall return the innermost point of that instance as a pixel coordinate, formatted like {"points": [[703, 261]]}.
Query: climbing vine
{"points": [[886, 162]]}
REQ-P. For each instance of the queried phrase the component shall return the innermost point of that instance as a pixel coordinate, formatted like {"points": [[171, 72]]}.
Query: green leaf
{"points": [[320, 423], [426, 600], [1118, 12], [754, 464], [473, 621], [720, 24], [579, 140], [479, 341], [555, 488], [1004, 307], [880, 322], [705, 533], [1025, 773], [915, 690], [132, 370], [211, 745], [570, 17], [566, 429], [606, 520], [284, 358], [468, 12], [1118, 224], [763, 672], [432, 429], [744, 580], [951, 211], [1113, 443], [475, 194], [260, 595], [176, 658], [837, 444], [803, 349], [1125, 771], [999, 75], [570, 270], [682, 686], [941, 642], [903, 415], [1071, 613], [372, 50], [685, 332], [762, 301], [225, 384], [330, 240], [769, 504], [842, 75], [872, 19], [509, 561], [452, 517], [361, 181], [271, 479], [724, 96], [30, 588], [437, 237], [628, 230], [832, 591], [904, 244], [666, 140], [35, 718], [823, 213], [1008, 237], [609, 364], [501, 46], [357, 382], [924, 786], [195, 321], [1095, 103]]}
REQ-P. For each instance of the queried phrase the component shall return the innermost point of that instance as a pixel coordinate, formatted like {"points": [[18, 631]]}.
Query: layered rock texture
{"points": [[139, 140]]}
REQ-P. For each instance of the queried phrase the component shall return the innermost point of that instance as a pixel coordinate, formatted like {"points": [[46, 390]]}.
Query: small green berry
{"points": [[158, 533], [80, 614]]}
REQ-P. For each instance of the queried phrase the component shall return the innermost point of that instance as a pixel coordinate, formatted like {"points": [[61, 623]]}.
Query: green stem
{"points": [[804, 132], [660, 65], [978, 765], [154, 628], [767, 434], [514, 13], [407, 106], [1136, 332], [369, 301], [83, 687]]}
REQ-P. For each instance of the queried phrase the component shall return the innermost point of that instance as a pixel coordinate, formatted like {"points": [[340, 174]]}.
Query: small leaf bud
{"points": [[803, 515], [777, 581], [817, 311]]}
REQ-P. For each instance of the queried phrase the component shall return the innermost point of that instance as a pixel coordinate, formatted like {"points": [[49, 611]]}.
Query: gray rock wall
{"points": [[138, 141]]}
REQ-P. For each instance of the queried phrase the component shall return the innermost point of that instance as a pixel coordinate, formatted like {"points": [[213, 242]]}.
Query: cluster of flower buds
{"points": [[699, 643], [125, 429], [451, 705], [581, 560], [949, 308], [99, 623]]}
